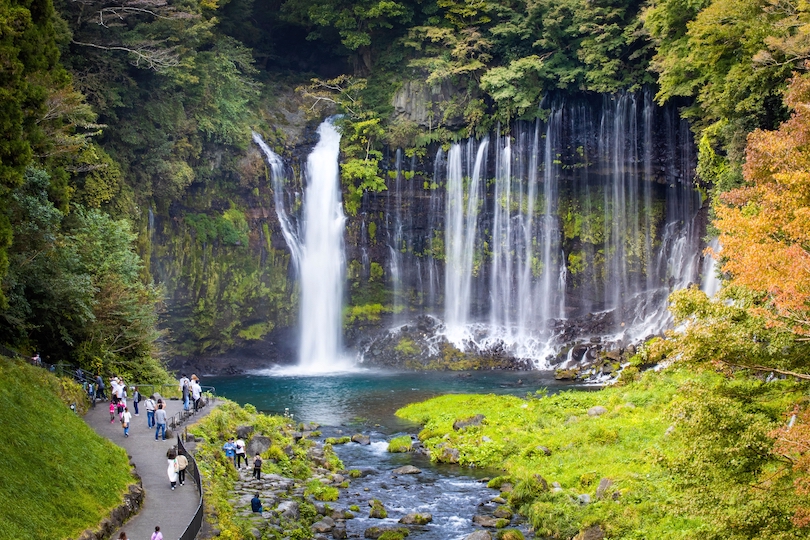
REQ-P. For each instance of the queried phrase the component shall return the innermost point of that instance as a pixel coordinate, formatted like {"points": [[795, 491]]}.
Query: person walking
{"points": [[257, 467], [172, 467], [100, 393], [185, 388], [160, 420], [230, 450], [126, 418], [182, 463], [196, 392], [150, 412], [136, 398], [112, 412], [157, 535], [240, 453], [123, 536]]}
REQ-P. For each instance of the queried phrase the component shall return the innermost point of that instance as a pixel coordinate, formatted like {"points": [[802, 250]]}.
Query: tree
{"points": [[29, 57], [765, 225]]}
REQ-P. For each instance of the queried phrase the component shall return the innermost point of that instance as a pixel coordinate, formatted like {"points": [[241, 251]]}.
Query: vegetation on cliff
{"points": [[59, 477]]}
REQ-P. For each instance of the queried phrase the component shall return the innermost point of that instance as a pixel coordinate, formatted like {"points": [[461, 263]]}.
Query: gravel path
{"points": [[171, 510]]}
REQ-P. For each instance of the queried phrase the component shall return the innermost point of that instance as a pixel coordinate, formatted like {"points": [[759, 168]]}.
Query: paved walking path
{"points": [[171, 510]]}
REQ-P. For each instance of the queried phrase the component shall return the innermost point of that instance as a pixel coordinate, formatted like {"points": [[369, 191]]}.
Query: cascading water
{"points": [[460, 232], [710, 281], [574, 226], [318, 252]]}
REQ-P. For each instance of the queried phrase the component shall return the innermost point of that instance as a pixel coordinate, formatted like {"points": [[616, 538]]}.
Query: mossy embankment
{"points": [[295, 469], [57, 476], [676, 454]]}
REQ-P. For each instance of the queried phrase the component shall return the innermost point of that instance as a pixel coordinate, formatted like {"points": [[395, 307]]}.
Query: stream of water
{"points": [[365, 401]]}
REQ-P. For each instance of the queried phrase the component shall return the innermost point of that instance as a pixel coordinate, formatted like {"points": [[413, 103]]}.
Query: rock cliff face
{"points": [[514, 248]]}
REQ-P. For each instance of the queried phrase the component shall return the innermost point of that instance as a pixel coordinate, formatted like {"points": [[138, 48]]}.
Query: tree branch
{"points": [[802, 376]]}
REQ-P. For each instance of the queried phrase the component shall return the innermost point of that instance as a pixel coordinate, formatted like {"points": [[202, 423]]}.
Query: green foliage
{"points": [[48, 492], [320, 491], [360, 170], [400, 444], [76, 288], [688, 479], [407, 346], [230, 228]]}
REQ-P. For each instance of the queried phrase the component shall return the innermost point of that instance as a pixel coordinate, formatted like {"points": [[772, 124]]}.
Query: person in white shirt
{"points": [[240, 453], [126, 418], [196, 392]]}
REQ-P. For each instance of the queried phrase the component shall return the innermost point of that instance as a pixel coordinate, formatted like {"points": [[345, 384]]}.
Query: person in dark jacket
{"points": [[256, 504]]}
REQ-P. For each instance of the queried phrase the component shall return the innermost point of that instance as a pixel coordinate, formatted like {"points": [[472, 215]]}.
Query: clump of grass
{"points": [[321, 492], [400, 444], [58, 476]]}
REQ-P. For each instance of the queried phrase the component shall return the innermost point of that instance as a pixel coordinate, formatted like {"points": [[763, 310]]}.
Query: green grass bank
{"points": [[57, 476], [675, 455]]}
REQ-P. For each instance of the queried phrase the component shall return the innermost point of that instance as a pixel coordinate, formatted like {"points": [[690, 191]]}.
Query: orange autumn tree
{"points": [[765, 225], [765, 232]]}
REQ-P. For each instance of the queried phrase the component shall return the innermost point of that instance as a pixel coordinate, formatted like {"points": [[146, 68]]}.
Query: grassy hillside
{"points": [[687, 455], [57, 477]]}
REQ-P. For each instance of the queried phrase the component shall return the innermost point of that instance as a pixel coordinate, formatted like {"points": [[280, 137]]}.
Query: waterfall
{"points": [[277, 178], [460, 234], [323, 262], [710, 280], [317, 249]]}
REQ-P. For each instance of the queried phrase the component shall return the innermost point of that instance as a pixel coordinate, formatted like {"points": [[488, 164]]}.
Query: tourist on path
{"points": [[136, 398], [100, 393], [150, 412], [257, 467], [230, 450], [112, 412], [173, 467], [185, 388], [123, 536], [196, 392], [126, 418], [160, 419], [256, 504], [240, 453], [157, 535], [182, 463]]}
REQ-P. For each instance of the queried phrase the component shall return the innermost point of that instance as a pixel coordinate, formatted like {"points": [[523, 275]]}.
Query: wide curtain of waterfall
{"points": [[317, 248], [586, 212], [572, 227]]}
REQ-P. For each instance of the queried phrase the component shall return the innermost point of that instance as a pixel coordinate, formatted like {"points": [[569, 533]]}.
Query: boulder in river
{"points": [[377, 511], [361, 439], [479, 535], [486, 521], [416, 518], [407, 469], [376, 532]]}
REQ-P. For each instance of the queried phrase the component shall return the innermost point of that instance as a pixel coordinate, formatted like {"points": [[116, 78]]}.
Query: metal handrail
{"points": [[194, 526]]}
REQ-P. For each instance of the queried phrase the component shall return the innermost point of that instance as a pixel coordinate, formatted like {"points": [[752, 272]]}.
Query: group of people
{"points": [[157, 535], [177, 467], [236, 451], [192, 392]]}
